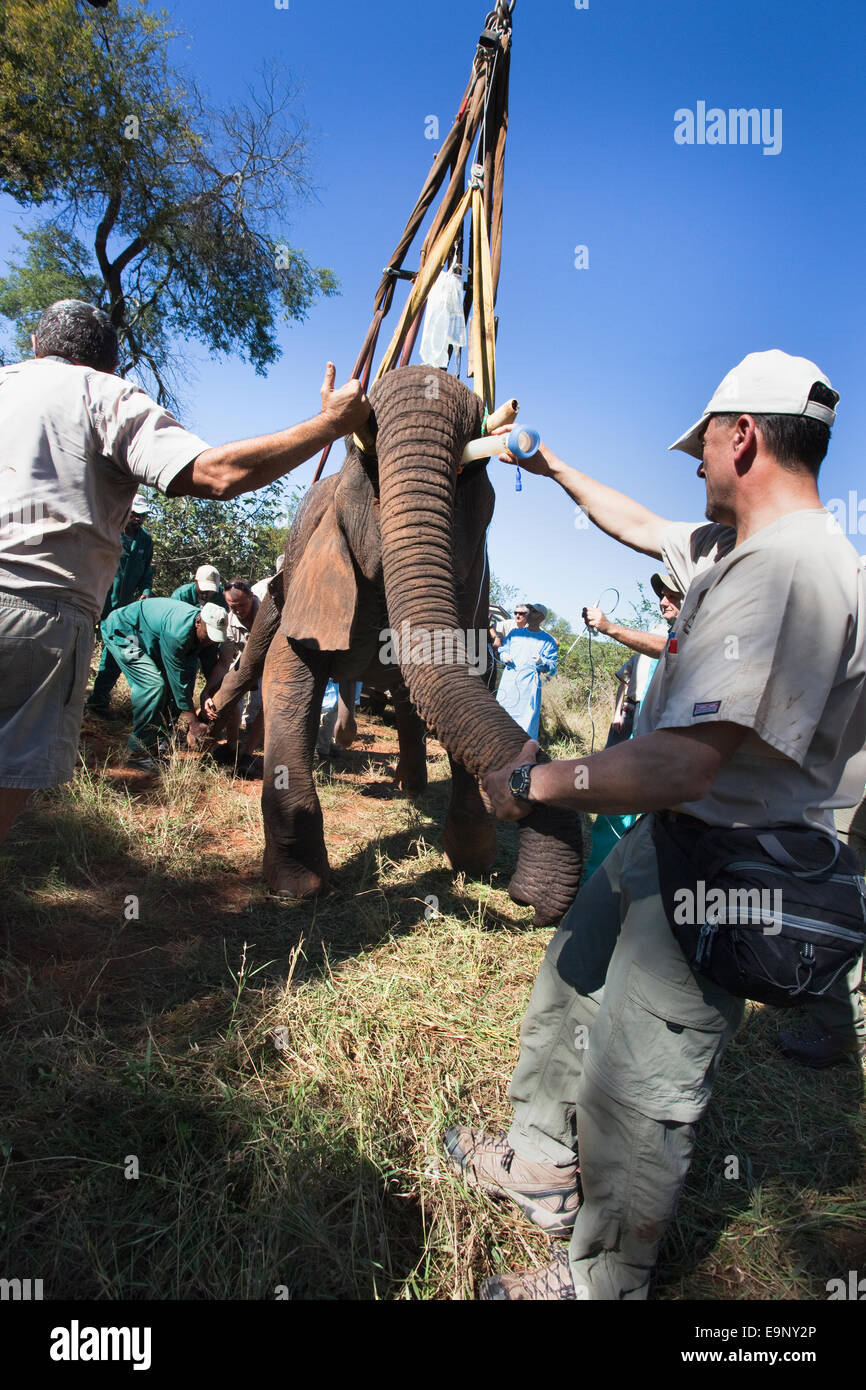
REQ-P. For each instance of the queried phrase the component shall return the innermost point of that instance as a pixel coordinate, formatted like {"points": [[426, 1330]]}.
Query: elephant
{"points": [[394, 546]]}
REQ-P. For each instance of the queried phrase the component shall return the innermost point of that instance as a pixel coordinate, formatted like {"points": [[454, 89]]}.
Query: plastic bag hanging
{"points": [[444, 325]]}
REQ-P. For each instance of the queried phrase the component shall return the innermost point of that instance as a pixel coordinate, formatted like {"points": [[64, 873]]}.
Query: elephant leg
{"points": [[295, 860], [469, 838], [411, 773]]}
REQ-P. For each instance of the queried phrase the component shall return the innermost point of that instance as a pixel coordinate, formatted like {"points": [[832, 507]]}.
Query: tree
{"points": [[55, 267], [501, 593], [185, 209], [646, 614], [242, 538]]}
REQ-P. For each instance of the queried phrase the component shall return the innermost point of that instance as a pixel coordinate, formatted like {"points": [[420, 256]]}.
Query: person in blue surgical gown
{"points": [[526, 655]]}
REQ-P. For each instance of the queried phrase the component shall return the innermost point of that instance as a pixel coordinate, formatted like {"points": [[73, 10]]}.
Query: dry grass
{"points": [[282, 1074]]}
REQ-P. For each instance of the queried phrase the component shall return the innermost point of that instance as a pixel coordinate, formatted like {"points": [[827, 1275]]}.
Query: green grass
{"points": [[282, 1073]]}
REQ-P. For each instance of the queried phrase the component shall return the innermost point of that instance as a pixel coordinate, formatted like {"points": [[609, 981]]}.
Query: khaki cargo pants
{"points": [[619, 1050]]}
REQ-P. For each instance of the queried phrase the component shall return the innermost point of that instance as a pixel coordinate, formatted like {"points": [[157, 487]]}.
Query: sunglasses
{"points": [[243, 588]]}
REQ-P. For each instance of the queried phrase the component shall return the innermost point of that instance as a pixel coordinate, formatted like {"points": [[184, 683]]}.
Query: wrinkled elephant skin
{"points": [[396, 545]]}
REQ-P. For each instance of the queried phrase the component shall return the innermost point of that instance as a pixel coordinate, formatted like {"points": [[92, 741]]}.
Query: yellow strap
{"points": [[424, 282], [483, 326]]}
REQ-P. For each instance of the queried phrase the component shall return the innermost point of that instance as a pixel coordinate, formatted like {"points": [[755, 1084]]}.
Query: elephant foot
{"points": [[410, 776], [469, 843], [287, 878]]}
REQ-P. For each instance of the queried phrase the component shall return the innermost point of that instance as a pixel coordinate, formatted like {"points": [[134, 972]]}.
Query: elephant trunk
{"points": [[420, 442]]}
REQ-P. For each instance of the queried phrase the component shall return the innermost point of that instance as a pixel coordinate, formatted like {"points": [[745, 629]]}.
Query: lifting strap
{"points": [[483, 113]]}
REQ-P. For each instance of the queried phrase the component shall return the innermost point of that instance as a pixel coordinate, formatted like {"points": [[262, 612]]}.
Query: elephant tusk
{"points": [[365, 437], [504, 414], [522, 441]]}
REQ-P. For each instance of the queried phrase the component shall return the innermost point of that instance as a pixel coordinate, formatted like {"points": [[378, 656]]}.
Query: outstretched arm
{"points": [[647, 643], [619, 516], [249, 464]]}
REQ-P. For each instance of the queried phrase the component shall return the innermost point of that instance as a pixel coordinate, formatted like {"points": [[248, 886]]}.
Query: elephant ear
{"points": [[322, 591]]}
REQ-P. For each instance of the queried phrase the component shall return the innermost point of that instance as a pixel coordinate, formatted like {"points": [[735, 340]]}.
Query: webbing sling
{"points": [[483, 113]]}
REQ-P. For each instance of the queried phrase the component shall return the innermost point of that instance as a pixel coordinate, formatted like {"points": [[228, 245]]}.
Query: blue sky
{"points": [[698, 254]]}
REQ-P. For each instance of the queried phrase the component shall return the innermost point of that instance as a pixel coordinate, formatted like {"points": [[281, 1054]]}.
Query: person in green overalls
{"points": [[206, 587], [133, 580], [156, 643]]}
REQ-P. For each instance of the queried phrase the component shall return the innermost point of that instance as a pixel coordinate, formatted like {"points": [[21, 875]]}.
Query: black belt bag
{"points": [[777, 915]]}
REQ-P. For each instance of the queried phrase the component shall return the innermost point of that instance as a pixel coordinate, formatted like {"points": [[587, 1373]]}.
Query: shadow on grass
{"points": [[132, 1190], [779, 1158], [91, 926]]}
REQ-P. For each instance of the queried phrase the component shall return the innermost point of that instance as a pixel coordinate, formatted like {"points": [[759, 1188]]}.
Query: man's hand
{"points": [[209, 710], [345, 408], [496, 792], [345, 731], [595, 620], [196, 733], [541, 461]]}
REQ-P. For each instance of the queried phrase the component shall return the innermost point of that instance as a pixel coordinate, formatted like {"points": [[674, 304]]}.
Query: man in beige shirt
{"points": [[834, 1028], [75, 443], [757, 715]]}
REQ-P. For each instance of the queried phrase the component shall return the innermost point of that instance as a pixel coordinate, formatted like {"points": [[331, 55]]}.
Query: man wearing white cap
{"points": [[526, 653], [206, 587], [794, 388], [756, 719], [156, 643], [75, 441], [133, 580]]}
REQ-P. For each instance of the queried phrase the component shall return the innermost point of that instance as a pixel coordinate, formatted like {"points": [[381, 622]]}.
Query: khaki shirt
{"points": [[772, 636], [688, 550], [74, 445]]}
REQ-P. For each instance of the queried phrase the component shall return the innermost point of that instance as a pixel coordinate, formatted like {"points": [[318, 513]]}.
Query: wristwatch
{"points": [[519, 781]]}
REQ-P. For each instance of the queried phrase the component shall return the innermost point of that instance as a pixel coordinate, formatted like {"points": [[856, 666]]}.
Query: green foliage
{"points": [[503, 594], [186, 209], [242, 538], [56, 266], [646, 614]]}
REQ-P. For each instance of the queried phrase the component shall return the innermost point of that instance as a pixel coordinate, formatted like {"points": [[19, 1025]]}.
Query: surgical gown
{"points": [[526, 656]]}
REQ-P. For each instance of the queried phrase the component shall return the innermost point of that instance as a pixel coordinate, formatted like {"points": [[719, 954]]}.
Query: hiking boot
{"points": [[102, 711], [552, 1283], [140, 762], [549, 1195], [813, 1048]]}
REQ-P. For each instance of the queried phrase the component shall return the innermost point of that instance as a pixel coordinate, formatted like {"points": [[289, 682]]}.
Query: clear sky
{"points": [[698, 253]]}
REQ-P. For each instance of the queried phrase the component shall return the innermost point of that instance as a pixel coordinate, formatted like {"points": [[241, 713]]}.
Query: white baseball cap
{"points": [[661, 581], [215, 620], [207, 579], [139, 506], [764, 383]]}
